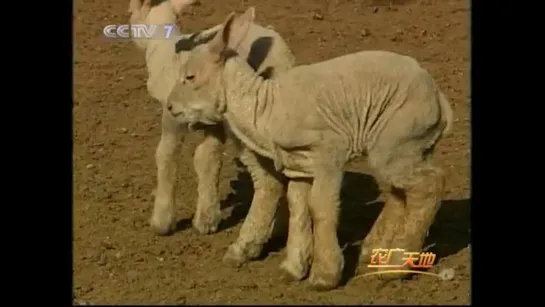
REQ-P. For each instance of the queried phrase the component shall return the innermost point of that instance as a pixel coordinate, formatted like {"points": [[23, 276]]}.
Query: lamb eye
{"points": [[190, 77]]}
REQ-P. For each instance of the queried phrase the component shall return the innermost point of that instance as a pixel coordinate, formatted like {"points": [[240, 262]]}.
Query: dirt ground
{"points": [[117, 259]]}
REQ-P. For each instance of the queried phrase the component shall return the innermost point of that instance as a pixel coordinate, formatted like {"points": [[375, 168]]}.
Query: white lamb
{"points": [[268, 54], [310, 121]]}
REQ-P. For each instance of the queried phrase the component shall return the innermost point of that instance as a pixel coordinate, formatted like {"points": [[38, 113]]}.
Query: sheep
{"points": [[267, 52], [310, 121]]}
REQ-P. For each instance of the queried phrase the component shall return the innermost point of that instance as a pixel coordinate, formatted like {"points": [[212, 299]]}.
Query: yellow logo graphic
{"points": [[380, 258]]}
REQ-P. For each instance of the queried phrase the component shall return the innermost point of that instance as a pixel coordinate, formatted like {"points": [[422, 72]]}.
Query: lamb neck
{"points": [[249, 102]]}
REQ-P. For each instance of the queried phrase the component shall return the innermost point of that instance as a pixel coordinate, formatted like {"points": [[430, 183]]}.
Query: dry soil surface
{"points": [[117, 259]]}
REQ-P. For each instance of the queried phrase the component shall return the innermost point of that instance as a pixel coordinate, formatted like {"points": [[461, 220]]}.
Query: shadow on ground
{"points": [[360, 208]]}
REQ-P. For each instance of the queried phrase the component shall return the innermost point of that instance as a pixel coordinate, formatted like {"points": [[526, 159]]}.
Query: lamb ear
{"points": [[232, 33], [219, 43], [240, 28]]}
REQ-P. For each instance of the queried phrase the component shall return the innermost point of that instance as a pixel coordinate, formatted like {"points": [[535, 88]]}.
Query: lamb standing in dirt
{"points": [[268, 54], [310, 121]]}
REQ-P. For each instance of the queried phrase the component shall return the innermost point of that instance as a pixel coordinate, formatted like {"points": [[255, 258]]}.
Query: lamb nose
{"points": [[169, 106]]}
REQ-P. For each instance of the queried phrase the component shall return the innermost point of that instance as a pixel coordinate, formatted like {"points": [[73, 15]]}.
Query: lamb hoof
{"points": [[324, 282], [286, 277], [290, 273], [204, 229], [207, 225], [253, 250], [163, 226], [326, 277], [234, 258]]}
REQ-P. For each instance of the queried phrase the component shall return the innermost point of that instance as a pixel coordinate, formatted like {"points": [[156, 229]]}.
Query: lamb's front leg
{"points": [[300, 240], [324, 202], [207, 162], [163, 220], [258, 225]]}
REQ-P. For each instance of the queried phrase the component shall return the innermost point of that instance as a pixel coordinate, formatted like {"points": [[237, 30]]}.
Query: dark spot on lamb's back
{"points": [[259, 51]]}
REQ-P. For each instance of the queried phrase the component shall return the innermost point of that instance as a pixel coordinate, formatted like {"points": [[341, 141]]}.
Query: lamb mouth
{"points": [[176, 114]]}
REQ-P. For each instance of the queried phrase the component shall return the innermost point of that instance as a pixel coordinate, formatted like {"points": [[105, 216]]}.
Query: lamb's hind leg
{"points": [[163, 220], [300, 240], [259, 223], [401, 155], [383, 229], [207, 163], [423, 189], [420, 185]]}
